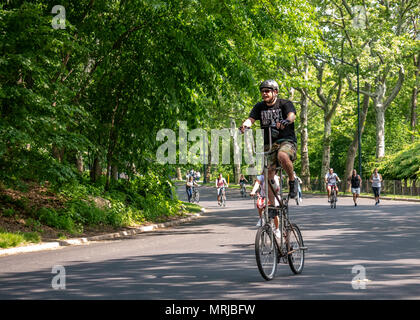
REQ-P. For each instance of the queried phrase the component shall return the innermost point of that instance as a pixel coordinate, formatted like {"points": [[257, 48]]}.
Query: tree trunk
{"points": [[114, 172], [178, 173], [351, 152], [413, 116], [381, 104], [305, 171], [380, 131], [79, 163], [326, 147], [96, 170], [112, 141], [208, 167], [58, 153], [236, 151]]}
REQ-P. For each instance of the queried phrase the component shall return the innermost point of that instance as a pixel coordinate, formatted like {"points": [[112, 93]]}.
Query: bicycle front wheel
{"points": [[266, 253], [295, 249]]}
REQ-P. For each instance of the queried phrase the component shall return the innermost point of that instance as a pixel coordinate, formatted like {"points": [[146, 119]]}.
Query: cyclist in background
{"points": [[259, 183], [242, 180], [220, 183], [331, 179]]}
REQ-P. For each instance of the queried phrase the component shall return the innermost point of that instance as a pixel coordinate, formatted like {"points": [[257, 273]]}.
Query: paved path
{"points": [[213, 257]]}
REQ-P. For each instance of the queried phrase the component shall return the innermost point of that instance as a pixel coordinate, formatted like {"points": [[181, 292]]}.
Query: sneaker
{"points": [[376, 203], [292, 189], [355, 204], [260, 223], [277, 233]]}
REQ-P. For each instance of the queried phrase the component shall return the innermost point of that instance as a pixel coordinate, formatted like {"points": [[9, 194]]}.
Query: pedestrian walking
{"points": [[356, 182], [376, 180]]}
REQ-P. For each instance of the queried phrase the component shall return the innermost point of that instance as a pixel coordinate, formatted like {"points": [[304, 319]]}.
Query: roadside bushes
{"points": [[147, 198]]}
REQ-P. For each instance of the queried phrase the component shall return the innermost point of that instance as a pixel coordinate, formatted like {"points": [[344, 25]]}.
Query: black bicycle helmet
{"points": [[269, 84]]}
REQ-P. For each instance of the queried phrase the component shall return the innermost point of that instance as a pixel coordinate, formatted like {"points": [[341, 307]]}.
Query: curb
{"points": [[109, 236]]}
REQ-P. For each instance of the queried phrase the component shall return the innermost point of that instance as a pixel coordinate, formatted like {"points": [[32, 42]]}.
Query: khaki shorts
{"points": [[287, 147]]}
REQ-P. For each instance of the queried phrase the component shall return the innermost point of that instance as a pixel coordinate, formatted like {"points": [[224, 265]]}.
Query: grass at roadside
{"points": [[10, 239], [191, 207]]}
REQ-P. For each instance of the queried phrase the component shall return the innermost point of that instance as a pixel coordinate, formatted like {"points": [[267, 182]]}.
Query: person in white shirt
{"points": [[376, 180], [331, 180]]}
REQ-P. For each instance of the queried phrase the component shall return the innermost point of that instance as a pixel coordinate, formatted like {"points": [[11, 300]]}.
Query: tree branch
{"points": [[397, 87], [366, 93], [348, 9], [312, 100]]}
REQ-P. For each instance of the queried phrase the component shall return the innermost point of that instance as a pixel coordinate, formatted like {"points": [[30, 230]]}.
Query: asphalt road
{"points": [[213, 257]]}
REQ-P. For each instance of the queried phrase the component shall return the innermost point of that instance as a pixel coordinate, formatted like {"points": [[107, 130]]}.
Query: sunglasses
{"points": [[266, 90]]}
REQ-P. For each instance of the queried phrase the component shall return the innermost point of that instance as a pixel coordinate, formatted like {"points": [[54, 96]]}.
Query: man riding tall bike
{"points": [[277, 239], [280, 115]]}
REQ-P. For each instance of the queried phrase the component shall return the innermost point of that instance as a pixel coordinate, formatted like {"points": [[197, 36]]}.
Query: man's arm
{"points": [[291, 117]]}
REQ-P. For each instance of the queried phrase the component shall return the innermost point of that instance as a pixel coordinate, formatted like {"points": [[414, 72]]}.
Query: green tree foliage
{"points": [[100, 89]]}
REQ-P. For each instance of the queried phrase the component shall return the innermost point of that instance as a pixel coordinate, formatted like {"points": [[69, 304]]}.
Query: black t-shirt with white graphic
{"points": [[269, 116]]}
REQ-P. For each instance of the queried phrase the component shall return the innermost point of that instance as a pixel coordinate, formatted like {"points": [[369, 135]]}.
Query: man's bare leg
{"points": [[287, 165]]}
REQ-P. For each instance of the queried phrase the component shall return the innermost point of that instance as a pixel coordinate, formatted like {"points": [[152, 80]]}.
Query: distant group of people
{"points": [[331, 180], [195, 175]]}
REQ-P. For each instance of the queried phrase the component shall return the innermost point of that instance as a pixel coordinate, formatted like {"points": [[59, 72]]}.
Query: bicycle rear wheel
{"points": [[295, 249], [266, 253]]}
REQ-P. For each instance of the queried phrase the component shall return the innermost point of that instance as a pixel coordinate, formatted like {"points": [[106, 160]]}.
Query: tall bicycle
{"points": [[289, 248]]}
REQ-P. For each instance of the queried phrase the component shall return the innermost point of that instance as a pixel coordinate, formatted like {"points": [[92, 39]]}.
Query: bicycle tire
{"points": [[296, 259], [266, 253]]}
